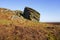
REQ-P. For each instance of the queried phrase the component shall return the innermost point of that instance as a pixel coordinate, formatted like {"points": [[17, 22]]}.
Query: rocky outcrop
{"points": [[18, 12], [31, 14]]}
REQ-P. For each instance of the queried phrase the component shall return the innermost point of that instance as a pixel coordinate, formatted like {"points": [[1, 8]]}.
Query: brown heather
{"points": [[15, 27]]}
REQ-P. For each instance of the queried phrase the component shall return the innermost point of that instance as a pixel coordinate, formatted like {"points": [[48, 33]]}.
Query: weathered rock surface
{"points": [[18, 12], [31, 14]]}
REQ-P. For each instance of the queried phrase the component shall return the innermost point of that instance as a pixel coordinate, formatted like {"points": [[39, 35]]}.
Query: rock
{"points": [[18, 12], [31, 14]]}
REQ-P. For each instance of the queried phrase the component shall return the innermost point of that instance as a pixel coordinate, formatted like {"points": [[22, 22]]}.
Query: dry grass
{"points": [[13, 27]]}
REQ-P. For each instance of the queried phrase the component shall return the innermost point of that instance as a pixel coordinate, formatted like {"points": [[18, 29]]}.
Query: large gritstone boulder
{"points": [[31, 14]]}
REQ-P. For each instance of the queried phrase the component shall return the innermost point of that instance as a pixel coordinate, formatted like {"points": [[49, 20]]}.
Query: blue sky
{"points": [[49, 9]]}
